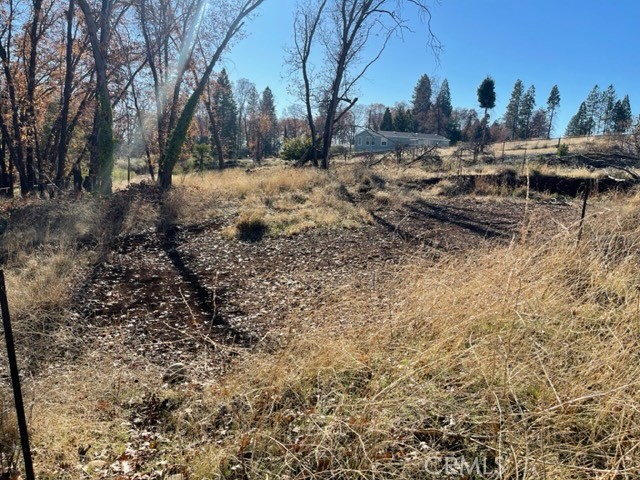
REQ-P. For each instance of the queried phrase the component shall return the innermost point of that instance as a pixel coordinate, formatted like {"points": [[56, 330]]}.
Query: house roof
{"points": [[410, 135], [405, 135]]}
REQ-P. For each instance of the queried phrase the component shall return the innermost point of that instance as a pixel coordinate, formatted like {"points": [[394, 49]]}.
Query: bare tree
{"points": [[374, 114], [171, 32], [241, 92], [343, 28], [13, 135], [306, 25]]}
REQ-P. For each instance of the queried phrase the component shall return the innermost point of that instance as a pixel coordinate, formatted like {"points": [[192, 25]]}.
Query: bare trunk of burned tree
{"points": [[305, 28], [6, 178]]}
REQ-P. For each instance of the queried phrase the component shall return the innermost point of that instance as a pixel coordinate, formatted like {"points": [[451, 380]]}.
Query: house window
{"points": [[368, 141], [359, 141], [373, 140], [383, 142]]}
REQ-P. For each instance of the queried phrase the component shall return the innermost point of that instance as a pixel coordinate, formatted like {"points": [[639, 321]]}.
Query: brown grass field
{"points": [[358, 323]]}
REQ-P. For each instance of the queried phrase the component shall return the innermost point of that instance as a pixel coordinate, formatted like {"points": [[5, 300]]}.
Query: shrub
{"points": [[202, 154], [295, 148], [250, 226], [563, 150]]}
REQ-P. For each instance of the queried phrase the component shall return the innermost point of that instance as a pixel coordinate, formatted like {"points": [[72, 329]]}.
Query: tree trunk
{"points": [[66, 99], [14, 142], [214, 135], [179, 134], [29, 117], [484, 132], [102, 144], [6, 178], [550, 123]]}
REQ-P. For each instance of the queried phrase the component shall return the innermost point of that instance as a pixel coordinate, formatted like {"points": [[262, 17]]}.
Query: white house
{"points": [[383, 141]]}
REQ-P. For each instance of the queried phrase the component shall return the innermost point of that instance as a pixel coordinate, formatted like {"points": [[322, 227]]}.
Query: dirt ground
{"points": [[187, 294]]}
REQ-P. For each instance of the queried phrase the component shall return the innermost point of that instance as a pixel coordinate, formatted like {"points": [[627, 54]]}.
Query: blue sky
{"points": [[573, 43]]}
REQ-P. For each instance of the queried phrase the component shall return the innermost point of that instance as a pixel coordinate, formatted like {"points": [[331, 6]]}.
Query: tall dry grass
{"points": [[521, 357], [524, 358], [275, 201]]}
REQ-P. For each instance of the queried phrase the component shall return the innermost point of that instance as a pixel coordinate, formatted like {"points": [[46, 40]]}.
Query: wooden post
{"points": [[15, 380], [587, 189]]}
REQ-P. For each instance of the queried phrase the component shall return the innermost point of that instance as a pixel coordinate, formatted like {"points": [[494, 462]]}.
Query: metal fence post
{"points": [[15, 380]]}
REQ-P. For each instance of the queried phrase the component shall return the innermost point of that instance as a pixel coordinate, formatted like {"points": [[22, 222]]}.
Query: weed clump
{"points": [[250, 226]]}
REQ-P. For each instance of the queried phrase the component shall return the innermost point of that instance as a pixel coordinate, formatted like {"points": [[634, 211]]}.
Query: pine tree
{"points": [[594, 110], [252, 123], [422, 103], [581, 123], [609, 98], [268, 123], [443, 108], [622, 116], [526, 112], [387, 121], [401, 120], [487, 100], [553, 102], [539, 126], [226, 114], [512, 114]]}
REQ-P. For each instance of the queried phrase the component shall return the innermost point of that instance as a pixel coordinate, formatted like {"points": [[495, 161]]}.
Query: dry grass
{"points": [[537, 146], [219, 194], [523, 356], [45, 248], [269, 182], [86, 406], [273, 201]]}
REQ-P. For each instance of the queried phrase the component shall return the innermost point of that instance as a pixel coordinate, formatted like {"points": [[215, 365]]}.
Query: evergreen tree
{"points": [[226, 114], [622, 116], [539, 125], [581, 123], [422, 103], [512, 114], [594, 110], [443, 108], [252, 122], [609, 98], [401, 121], [387, 121], [268, 123], [487, 100], [526, 112], [553, 102]]}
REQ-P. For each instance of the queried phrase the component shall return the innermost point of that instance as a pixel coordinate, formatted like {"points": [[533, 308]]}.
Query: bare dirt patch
{"points": [[173, 294]]}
